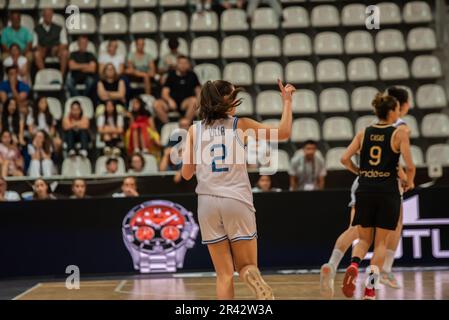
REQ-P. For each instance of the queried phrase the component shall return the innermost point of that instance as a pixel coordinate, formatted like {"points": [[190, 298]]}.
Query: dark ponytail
{"points": [[216, 99], [383, 104], [399, 93]]}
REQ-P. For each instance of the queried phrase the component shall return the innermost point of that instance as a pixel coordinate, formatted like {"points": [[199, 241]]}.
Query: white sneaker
{"points": [[72, 153], [327, 276], [253, 279], [389, 279]]}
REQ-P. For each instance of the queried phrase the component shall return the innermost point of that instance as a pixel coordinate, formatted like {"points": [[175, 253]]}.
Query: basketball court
{"points": [[418, 284]]}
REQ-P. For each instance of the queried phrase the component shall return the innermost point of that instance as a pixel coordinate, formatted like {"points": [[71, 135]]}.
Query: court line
{"points": [[27, 291], [119, 287]]}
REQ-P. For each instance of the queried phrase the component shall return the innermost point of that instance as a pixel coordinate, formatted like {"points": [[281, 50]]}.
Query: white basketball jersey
{"points": [[221, 161], [399, 122]]}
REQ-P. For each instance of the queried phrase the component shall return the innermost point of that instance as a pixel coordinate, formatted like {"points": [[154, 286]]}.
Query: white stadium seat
{"points": [[299, 72], [139, 4], [438, 154], [353, 15], [325, 16], [435, 125], [295, 17], [359, 42], [304, 101], [204, 48], [234, 47], [233, 20], [297, 44], [266, 45], [55, 4], [204, 22], [22, 4], [333, 157], [100, 165], [143, 22], [172, 3], [86, 105], [328, 43], [167, 130], [55, 108], [183, 47], [85, 4], [173, 21], [393, 68], [76, 167], [337, 129], [246, 107], [421, 39], [362, 97], [150, 164], [268, 72], [334, 100], [150, 47], [417, 12], [207, 71], [431, 96], [265, 19], [413, 125], [48, 80], [426, 67], [88, 25], [390, 40], [113, 23], [331, 70], [389, 13], [417, 156], [365, 121], [304, 129], [113, 4], [238, 73], [269, 102], [283, 160], [27, 22], [362, 69]]}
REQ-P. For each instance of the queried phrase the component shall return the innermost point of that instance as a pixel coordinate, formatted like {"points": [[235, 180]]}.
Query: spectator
{"points": [[142, 134], [19, 60], [129, 188], [111, 56], [274, 4], [82, 69], [110, 127], [179, 92], [137, 163], [50, 39], [42, 119], [78, 189], [111, 87], [13, 122], [264, 185], [111, 166], [168, 61], [141, 66], [6, 195], [42, 191], [17, 34], [307, 170], [76, 129], [203, 5], [40, 151], [229, 4], [13, 88], [11, 161], [169, 162]]}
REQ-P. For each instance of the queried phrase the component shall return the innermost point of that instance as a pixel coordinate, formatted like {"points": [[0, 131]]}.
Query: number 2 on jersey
{"points": [[375, 154], [218, 158]]}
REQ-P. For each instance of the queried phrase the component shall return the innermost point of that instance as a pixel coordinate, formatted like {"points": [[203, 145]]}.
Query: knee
{"points": [[225, 276]]}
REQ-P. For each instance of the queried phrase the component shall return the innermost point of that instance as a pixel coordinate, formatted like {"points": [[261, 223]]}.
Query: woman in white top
{"points": [[215, 152], [15, 58]]}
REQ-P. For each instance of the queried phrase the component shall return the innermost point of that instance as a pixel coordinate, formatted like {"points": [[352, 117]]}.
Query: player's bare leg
{"points": [[387, 277], [224, 267]]}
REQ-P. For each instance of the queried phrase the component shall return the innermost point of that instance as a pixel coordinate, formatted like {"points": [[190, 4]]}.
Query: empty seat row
{"points": [[92, 4]]}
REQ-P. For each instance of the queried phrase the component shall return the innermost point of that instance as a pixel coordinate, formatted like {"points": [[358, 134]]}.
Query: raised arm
{"points": [[285, 125]]}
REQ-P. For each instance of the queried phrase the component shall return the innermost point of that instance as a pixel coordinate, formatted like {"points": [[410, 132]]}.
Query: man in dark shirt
{"points": [[82, 69], [13, 88], [50, 40], [180, 92]]}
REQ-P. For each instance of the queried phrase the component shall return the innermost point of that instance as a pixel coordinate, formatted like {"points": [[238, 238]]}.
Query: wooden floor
{"points": [[287, 285]]}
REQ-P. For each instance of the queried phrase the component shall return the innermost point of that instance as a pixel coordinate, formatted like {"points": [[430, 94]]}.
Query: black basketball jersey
{"points": [[378, 161]]}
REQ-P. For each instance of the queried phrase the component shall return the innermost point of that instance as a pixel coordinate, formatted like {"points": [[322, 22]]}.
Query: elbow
{"points": [[284, 135], [344, 161]]}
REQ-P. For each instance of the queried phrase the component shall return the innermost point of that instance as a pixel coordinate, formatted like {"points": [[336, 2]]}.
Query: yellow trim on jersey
{"points": [[392, 141]]}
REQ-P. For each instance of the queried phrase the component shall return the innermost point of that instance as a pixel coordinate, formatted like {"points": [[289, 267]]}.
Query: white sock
{"points": [[372, 280], [389, 260], [335, 258]]}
